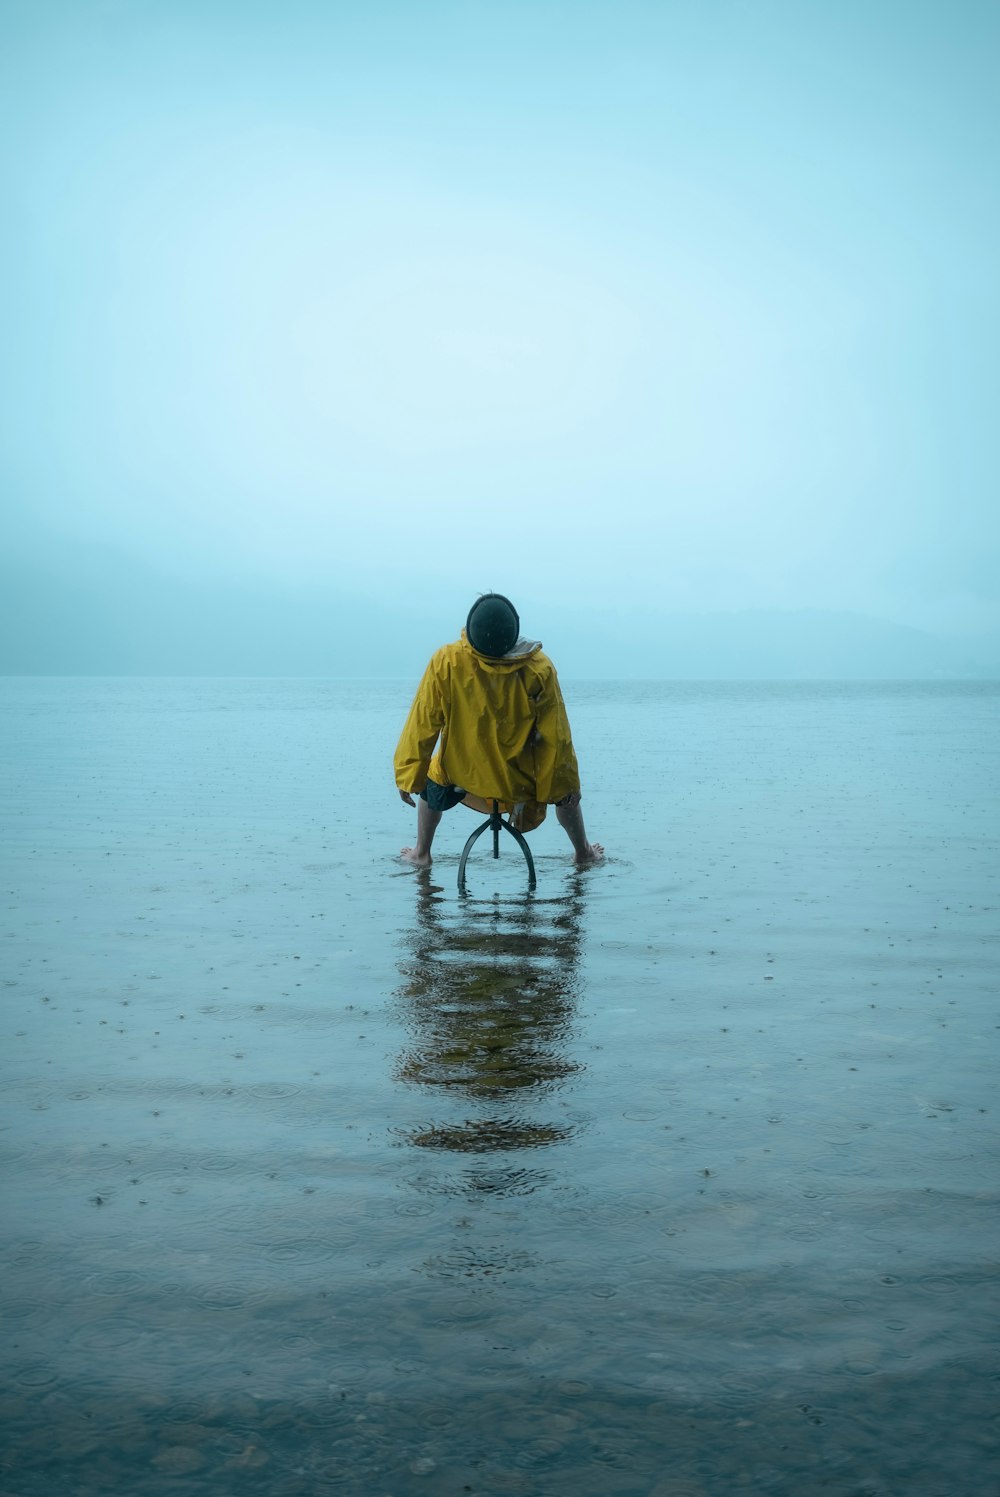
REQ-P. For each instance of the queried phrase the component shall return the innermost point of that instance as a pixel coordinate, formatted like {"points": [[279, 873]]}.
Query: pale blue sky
{"points": [[695, 297]]}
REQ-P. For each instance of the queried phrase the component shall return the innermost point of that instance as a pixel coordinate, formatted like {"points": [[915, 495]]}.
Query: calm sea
{"points": [[676, 1179]]}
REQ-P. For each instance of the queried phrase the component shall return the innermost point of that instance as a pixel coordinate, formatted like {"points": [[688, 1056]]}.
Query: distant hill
{"points": [[98, 615]]}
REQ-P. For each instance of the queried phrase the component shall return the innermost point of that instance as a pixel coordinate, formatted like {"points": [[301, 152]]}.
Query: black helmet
{"points": [[493, 626]]}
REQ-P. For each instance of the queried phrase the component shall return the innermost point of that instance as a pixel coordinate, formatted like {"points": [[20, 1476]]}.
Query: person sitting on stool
{"points": [[492, 698]]}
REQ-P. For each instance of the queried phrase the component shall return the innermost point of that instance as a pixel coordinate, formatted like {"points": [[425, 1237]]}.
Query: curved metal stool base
{"points": [[493, 823]]}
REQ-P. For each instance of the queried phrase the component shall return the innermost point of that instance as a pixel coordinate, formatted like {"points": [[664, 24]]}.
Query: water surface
{"points": [[677, 1178]]}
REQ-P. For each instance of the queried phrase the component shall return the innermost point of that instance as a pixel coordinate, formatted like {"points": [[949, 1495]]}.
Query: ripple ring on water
{"points": [[108, 1335], [307, 1249], [615, 1456], [713, 1286], [35, 1376], [224, 1296], [436, 1418], [24, 1309], [115, 1281]]}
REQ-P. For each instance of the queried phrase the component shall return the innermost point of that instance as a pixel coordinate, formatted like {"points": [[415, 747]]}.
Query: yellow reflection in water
{"points": [[488, 995]]}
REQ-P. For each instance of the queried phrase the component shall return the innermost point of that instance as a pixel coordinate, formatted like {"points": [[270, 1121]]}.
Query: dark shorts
{"points": [[443, 797]]}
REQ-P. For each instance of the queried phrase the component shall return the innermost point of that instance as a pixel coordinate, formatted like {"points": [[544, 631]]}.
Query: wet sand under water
{"points": [[676, 1180]]}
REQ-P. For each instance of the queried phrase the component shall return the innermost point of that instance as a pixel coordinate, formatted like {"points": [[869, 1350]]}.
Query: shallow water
{"points": [[678, 1178]]}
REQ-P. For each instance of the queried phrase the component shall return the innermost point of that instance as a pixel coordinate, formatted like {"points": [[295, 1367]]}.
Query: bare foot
{"points": [[410, 855], [594, 854]]}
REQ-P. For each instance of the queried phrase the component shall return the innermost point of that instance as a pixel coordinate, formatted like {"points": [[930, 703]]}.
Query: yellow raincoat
{"points": [[503, 730]]}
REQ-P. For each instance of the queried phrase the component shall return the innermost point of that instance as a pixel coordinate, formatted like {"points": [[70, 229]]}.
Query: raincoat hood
{"points": [[522, 650]]}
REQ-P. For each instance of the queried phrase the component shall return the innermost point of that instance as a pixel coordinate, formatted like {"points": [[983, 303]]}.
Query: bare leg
{"points": [[570, 818], [427, 825]]}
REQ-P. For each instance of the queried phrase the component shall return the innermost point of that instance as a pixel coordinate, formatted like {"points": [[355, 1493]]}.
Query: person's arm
{"points": [[557, 772], [420, 733]]}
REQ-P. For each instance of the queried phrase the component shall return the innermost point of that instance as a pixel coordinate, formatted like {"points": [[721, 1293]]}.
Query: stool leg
{"points": [[522, 844], [494, 823], [480, 829]]}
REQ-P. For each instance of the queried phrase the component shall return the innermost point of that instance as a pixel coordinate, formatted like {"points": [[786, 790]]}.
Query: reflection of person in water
{"points": [[492, 698], [489, 997]]}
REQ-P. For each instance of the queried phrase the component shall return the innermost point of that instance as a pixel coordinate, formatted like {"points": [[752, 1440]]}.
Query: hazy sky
{"points": [[569, 299]]}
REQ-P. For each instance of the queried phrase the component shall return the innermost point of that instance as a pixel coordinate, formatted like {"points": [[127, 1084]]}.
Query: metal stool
{"points": [[494, 822]]}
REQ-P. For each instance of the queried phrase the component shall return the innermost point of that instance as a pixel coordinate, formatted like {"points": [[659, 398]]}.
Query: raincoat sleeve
{"points": [[420, 732], [556, 770]]}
